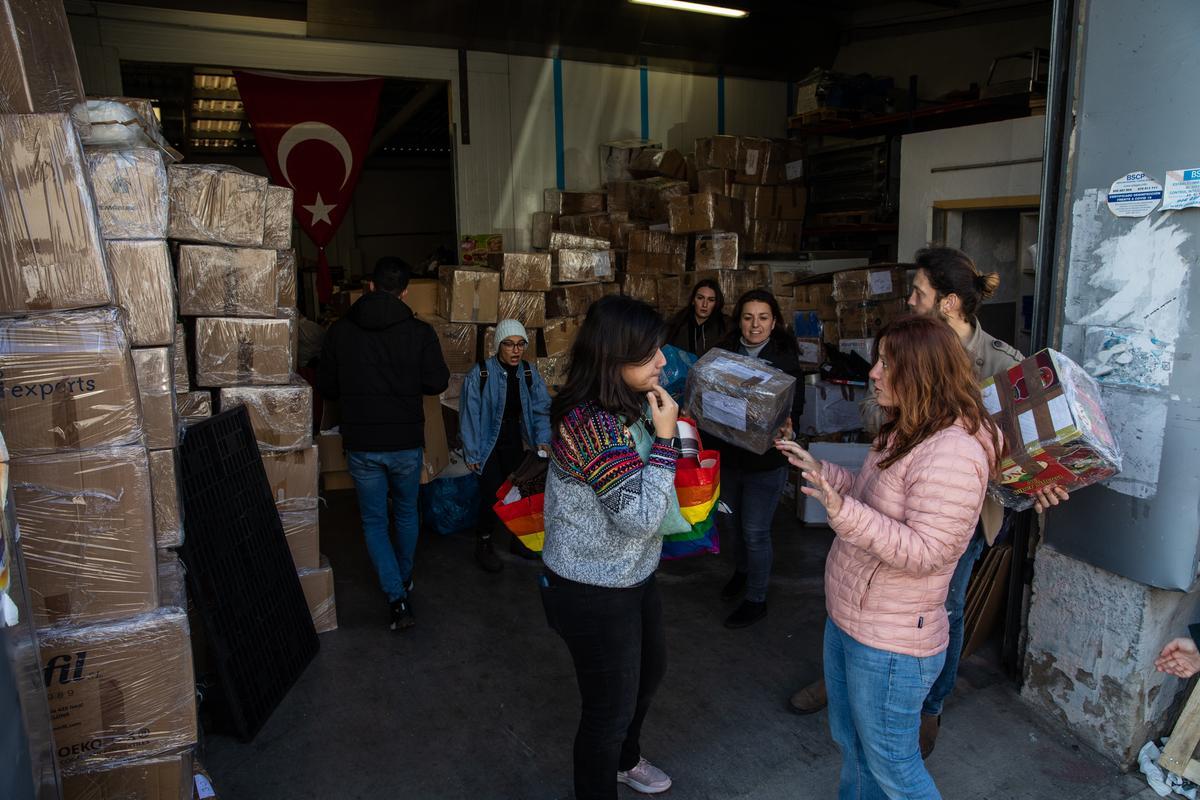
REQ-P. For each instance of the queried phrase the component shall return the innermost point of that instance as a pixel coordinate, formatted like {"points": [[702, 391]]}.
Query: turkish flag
{"points": [[313, 132]]}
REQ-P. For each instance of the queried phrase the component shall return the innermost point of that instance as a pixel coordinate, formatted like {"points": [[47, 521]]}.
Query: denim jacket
{"points": [[480, 414]]}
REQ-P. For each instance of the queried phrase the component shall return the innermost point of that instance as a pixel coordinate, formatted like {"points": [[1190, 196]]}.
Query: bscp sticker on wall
{"points": [[1135, 195], [1183, 189]]}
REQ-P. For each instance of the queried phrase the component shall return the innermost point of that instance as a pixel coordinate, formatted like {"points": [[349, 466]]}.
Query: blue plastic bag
{"points": [[450, 504], [674, 373]]}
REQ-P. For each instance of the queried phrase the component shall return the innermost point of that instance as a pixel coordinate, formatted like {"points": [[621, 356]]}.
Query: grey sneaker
{"points": [[645, 778]]}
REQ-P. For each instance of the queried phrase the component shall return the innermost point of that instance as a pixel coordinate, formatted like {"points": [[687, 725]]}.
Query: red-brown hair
{"points": [[930, 377]]}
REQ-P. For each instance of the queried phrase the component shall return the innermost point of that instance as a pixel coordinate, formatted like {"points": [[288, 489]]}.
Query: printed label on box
{"points": [[725, 410], [745, 373], [603, 264], [1029, 433], [794, 170], [991, 399], [880, 282], [751, 162], [809, 351], [1060, 413]]}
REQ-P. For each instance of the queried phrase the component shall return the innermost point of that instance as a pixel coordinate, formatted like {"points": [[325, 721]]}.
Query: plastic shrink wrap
{"points": [[277, 220], [38, 71], [583, 266], [742, 400], [1049, 410], [559, 334], [717, 251], [234, 352], [227, 281], [67, 382], [120, 692], [141, 273], [526, 272], [87, 532], [469, 294], [560, 240], [154, 369], [285, 278], [458, 342], [701, 213], [172, 588], [164, 494], [51, 253], [554, 370], [616, 156], [318, 591], [183, 381], [125, 123], [216, 204], [158, 778], [557, 201], [573, 300], [281, 416], [194, 406], [131, 192]]}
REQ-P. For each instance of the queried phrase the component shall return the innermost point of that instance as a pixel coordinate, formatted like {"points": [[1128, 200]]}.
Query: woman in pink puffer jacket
{"points": [[902, 523]]}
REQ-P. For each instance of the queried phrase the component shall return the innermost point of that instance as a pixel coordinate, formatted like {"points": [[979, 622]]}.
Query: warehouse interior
{"points": [[897, 123]]}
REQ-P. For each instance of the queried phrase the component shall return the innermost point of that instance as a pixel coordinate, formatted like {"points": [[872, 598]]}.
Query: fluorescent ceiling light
{"points": [[699, 8]]}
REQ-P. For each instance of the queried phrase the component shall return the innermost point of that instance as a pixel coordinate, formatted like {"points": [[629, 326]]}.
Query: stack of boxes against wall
{"points": [[232, 233], [116, 656]]}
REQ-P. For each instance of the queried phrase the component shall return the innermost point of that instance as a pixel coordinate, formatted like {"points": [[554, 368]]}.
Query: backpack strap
{"points": [[483, 376], [528, 375]]}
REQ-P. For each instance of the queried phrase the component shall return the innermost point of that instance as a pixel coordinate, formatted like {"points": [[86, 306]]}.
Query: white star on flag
{"points": [[320, 211]]}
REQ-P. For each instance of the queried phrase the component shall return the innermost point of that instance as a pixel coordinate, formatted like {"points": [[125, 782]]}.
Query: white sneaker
{"points": [[645, 778]]}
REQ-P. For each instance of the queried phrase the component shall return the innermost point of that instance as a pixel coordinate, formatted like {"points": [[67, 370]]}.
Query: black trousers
{"points": [[500, 464], [617, 642]]}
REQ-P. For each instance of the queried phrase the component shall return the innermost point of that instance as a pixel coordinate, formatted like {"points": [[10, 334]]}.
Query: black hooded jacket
{"points": [[377, 363]]}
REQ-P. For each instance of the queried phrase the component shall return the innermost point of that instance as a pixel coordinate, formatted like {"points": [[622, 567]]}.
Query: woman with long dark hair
{"points": [[610, 487], [751, 484], [699, 325]]}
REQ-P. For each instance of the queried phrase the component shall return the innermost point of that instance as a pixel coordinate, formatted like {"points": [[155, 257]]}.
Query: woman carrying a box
{"points": [[751, 484], [610, 487]]}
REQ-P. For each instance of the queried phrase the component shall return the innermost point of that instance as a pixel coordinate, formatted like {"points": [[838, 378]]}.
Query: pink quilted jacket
{"points": [[900, 533]]}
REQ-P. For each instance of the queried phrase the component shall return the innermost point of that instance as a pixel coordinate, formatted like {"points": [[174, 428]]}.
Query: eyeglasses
{"points": [[514, 345]]}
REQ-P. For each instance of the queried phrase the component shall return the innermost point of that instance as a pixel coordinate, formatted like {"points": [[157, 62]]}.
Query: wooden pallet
{"points": [[1179, 755]]}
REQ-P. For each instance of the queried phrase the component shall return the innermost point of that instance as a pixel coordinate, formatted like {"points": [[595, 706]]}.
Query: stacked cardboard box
{"points": [[866, 301], [85, 350]]}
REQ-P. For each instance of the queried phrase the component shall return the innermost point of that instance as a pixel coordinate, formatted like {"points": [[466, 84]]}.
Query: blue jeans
{"points": [[375, 474], [752, 498], [875, 718], [956, 603]]}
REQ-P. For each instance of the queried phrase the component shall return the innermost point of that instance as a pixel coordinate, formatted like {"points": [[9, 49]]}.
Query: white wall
{"points": [[976, 144], [946, 59], [501, 174]]}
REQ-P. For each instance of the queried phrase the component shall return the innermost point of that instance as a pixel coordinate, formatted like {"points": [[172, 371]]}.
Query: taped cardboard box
{"points": [[702, 213], [158, 778], [68, 382], [741, 400], [437, 449], [616, 156], [561, 240], [597, 224], [864, 319], [87, 533], [717, 251], [469, 294], [715, 181], [884, 282], [227, 281], [38, 71], [584, 266], [281, 416], [239, 352], [164, 494], [526, 272], [542, 224], [759, 161], [559, 334], [649, 163], [53, 256], [331, 452], [293, 475], [528, 308], [647, 241], [622, 231], [773, 237], [649, 200], [153, 367], [141, 273], [573, 300], [817, 296], [121, 691], [773, 202], [1049, 410], [285, 278], [194, 406], [557, 201], [477, 249], [319, 592], [302, 531], [717, 152], [277, 218], [216, 204], [458, 342], [179, 355], [131, 192], [641, 287], [553, 370], [422, 296]]}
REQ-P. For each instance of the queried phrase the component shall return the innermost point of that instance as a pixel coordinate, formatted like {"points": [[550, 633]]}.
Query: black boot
{"points": [[734, 588], [485, 556], [748, 613]]}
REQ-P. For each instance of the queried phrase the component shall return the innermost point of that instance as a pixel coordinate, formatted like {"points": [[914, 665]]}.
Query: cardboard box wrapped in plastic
{"points": [[559, 334], [717, 152], [153, 367], [301, 528], [318, 591], [717, 251], [131, 192], [646, 200], [742, 400], [458, 341], [653, 162], [528, 308], [702, 213], [194, 406], [773, 236], [542, 224], [227, 281], [38, 70], [120, 692], [87, 533], [616, 156], [237, 352], [53, 256], [285, 278], [166, 777], [884, 282], [1049, 411], [277, 218], [172, 579], [641, 287], [216, 204], [526, 272], [292, 475], [554, 369], [164, 494], [584, 266], [573, 300], [557, 201], [183, 381], [469, 294], [67, 382], [864, 319], [141, 273], [281, 416], [562, 240]]}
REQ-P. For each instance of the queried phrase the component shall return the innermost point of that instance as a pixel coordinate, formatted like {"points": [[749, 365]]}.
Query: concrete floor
{"points": [[479, 700]]}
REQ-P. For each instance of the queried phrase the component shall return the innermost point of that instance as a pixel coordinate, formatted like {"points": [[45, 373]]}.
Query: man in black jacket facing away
{"points": [[378, 362]]}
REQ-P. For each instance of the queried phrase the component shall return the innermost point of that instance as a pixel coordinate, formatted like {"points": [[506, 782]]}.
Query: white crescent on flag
{"points": [[316, 131]]}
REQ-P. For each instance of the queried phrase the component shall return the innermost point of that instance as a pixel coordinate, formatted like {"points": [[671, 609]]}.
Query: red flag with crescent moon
{"points": [[314, 132]]}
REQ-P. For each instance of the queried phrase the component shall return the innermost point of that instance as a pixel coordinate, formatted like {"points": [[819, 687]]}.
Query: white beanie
{"points": [[507, 328]]}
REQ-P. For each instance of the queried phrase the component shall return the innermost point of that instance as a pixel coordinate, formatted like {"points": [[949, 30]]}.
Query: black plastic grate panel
{"points": [[240, 573]]}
